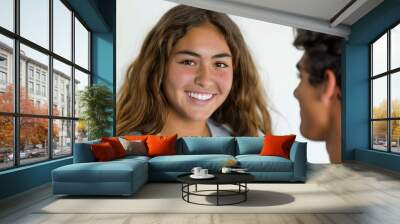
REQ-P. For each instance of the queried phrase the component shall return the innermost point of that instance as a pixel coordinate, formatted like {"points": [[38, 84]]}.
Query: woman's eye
{"points": [[187, 62], [221, 65]]}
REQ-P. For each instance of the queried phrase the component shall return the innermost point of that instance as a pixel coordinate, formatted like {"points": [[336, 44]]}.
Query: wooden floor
{"points": [[378, 188]]}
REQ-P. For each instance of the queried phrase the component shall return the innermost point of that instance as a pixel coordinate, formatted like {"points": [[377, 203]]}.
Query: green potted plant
{"points": [[96, 102]]}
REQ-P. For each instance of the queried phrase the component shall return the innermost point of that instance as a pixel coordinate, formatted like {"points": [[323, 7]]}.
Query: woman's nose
{"points": [[204, 76]]}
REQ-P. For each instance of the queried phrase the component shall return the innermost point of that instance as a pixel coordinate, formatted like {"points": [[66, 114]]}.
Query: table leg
{"points": [[245, 191], [217, 194]]}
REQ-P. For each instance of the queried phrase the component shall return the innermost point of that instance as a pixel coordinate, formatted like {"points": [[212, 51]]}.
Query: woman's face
{"points": [[199, 74]]}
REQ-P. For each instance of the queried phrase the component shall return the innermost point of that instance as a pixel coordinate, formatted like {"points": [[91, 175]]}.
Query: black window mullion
{"points": [[16, 83], [389, 113], [50, 87], [371, 86], [73, 82]]}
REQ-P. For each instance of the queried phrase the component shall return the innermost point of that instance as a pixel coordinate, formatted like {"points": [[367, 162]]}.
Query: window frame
{"points": [[16, 115], [388, 74]]}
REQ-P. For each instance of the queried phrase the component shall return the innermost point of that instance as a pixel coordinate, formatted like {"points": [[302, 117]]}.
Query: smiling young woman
{"points": [[194, 76]]}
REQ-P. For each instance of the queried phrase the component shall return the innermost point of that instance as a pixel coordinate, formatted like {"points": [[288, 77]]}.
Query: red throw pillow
{"points": [[277, 145], [161, 145], [116, 145], [103, 151]]}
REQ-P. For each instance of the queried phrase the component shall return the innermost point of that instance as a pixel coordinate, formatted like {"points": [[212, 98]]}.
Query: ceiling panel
{"points": [[315, 15], [320, 9]]}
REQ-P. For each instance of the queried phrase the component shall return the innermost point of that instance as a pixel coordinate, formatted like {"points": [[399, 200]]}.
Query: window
{"points": [[43, 77], [81, 45], [30, 72], [34, 21], [38, 89], [385, 92], [43, 90], [3, 72], [6, 85], [3, 61], [37, 75], [3, 78], [30, 87], [7, 14], [41, 84], [62, 30]]}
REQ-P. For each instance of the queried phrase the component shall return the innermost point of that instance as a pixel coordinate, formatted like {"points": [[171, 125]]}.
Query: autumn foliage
{"points": [[33, 131], [380, 127]]}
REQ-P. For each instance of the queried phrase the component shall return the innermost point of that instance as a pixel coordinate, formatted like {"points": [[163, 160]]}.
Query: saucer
{"points": [[208, 176]]}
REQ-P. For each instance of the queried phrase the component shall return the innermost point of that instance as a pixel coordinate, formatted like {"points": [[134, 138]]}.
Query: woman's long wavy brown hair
{"points": [[141, 103]]}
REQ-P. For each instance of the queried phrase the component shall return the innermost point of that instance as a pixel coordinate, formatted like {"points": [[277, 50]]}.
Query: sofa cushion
{"points": [[185, 163], [83, 152], [257, 163], [207, 145], [131, 158], [249, 145], [111, 171]]}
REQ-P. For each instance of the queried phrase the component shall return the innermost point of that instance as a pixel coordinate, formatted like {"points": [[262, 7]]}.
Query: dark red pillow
{"points": [[116, 145], [103, 152], [277, 145]]}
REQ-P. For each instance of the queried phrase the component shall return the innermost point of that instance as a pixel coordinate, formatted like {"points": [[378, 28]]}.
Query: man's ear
{"points": [[329, 89]]}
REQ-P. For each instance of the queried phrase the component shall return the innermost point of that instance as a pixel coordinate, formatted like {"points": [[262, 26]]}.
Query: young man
{"points": [[319, 90]]}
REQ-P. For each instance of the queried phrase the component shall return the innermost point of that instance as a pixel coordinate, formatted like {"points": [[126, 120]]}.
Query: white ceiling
{"points": [[316, 15]]}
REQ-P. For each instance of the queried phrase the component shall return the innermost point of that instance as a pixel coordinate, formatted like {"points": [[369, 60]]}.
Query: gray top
{"points": [[217, 130]]}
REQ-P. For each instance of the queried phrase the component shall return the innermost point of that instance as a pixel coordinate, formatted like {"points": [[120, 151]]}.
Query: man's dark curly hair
{"points": [[322, 52]]}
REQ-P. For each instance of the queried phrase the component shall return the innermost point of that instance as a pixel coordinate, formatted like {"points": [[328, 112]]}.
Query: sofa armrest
{"points": [[83, 152], [298, 155]]}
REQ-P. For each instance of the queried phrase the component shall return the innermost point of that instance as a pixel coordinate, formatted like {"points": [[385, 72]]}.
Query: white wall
{"points": [[270, 45]]}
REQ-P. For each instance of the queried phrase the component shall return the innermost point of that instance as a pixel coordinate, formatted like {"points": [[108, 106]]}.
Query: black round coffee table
{"points": [[238, 179]]}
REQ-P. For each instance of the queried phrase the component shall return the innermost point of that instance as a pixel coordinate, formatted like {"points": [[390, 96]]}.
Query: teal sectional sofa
{"points": [[125, 176]]}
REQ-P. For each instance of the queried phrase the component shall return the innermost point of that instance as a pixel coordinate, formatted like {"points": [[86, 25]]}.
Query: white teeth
{"points": [[200, 96]]}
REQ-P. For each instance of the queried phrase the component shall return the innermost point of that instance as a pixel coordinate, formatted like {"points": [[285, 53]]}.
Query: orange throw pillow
{"points": [[135, 137], [161, 145], [103, 151], [116, 145], [277, 145]]}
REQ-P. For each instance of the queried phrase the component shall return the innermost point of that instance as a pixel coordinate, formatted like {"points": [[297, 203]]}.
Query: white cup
{"points": [[196, 170], [203, 172], [226, 170]]}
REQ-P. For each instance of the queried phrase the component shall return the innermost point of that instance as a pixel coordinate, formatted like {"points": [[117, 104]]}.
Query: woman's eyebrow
{"points": [[222, 55], [194, 54], [191, 53]]}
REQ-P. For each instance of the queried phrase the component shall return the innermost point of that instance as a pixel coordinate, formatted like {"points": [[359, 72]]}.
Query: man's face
{"points": [[313, 112]]}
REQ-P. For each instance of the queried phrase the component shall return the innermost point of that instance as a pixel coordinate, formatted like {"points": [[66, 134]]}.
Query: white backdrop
{"points": [[271, 48]]}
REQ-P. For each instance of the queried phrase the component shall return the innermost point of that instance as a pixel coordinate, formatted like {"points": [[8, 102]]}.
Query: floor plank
{"points": [[376, 189]]}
